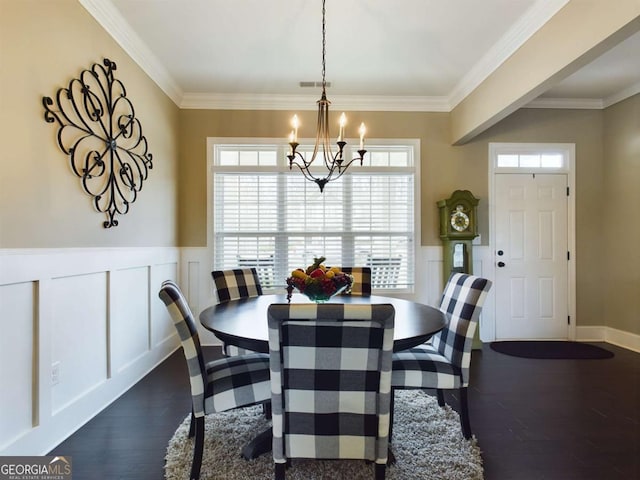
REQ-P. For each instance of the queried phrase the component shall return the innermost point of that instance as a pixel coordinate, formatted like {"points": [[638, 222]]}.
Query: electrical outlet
{"points": [[55, 373]]}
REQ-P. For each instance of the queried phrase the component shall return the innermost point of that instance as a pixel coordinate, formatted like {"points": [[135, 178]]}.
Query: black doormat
{"points": [[551, 349]]}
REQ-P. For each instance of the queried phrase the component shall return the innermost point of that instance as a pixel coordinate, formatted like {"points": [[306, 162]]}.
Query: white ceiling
{"points": [[433, 52]]}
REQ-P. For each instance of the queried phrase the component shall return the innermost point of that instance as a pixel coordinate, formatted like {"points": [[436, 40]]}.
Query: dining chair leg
{"points": [[440, 395], [192, 425], [266, 410], [464, 414], [196, 463]]}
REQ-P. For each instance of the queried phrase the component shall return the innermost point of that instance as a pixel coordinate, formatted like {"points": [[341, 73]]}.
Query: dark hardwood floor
{"points": [[534, 420]]}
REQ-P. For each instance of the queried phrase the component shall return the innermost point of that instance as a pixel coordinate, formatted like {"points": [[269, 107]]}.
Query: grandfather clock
{"points": [[458, 228]]}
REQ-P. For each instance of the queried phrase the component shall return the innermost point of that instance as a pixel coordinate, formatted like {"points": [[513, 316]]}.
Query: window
{"points": [[552, 160], [270, 217]]}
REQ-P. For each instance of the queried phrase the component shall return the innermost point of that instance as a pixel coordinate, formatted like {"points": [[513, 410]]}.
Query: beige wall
{"points": [[621, 222], [444, 169], [440, 163], [43, 45]]}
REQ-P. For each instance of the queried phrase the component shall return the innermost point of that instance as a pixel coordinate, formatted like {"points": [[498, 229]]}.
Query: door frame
{"points": [[569, 152]]}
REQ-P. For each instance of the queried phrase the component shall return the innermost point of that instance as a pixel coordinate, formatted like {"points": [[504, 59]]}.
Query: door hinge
{"points": [[567, 191], [568, 320], [568, 256]]}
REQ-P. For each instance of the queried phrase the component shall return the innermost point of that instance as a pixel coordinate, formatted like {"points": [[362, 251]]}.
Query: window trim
{"points": [[278, 142]]}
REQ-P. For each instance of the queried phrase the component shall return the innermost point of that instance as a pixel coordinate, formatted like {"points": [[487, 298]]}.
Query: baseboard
{"points": [[620, 338]]}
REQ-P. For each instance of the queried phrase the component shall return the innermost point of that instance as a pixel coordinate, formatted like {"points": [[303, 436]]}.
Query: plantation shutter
{"points": [[265, 215]]}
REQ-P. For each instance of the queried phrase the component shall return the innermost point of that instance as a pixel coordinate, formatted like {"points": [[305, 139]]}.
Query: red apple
{"points": [[318, 272]]}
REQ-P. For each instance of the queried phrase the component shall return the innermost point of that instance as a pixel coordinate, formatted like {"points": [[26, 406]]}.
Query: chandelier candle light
{"points": [[333, 162]]}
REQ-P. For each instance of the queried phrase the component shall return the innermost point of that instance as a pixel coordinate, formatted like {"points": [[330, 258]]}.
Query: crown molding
{"points": [[112, 21], [585, 103], [309, 102], [622, 95], [567, 103], [514, 38], [105, 13]]}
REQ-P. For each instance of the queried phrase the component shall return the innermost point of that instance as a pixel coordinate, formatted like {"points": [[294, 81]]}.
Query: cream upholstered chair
{"points": [[218, 385], [443, 362], [232, 285], [330, 382], [361, 280]]}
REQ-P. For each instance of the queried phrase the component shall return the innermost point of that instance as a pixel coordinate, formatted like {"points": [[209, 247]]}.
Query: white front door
{"points": [[531, 256]]}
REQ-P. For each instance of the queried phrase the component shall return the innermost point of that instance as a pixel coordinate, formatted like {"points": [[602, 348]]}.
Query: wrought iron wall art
{"points": [[98, 129]]}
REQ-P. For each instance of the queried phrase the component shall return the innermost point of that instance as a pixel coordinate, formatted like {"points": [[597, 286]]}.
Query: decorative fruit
{"points": [[318, 282], [299, 273], [317, 273], [316, 264]]}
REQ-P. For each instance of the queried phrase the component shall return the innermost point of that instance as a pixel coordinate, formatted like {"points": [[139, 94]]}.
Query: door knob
{"points": [[501, 264]]}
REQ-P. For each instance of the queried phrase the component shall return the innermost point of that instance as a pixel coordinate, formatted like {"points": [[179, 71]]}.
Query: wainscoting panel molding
{"points": [[129, 328], [79, 328], [78, 337], [18, 407], [197, 285]]}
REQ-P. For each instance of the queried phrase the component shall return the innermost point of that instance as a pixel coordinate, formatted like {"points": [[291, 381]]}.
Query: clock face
{"points": [[459, 219]]}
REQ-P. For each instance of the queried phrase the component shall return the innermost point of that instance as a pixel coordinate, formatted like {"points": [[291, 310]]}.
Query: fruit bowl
{"points": [[319, 283]]}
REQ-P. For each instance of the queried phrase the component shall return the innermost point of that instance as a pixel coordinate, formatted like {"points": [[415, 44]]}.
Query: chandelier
{"points": [[334, 163]]}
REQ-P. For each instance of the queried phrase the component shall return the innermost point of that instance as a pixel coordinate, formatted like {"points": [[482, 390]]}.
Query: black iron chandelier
{"points": [[334, 163]]}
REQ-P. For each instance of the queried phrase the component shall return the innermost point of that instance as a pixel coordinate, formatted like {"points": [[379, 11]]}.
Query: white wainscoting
{"points": [[90, 317], [95, 314]]}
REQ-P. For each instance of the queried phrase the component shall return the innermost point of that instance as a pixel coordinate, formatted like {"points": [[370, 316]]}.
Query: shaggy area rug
{"points": [[427, 444]]}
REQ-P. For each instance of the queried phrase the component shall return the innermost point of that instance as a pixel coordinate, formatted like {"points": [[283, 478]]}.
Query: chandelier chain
{"points": [[334, 163], [324, 46]]}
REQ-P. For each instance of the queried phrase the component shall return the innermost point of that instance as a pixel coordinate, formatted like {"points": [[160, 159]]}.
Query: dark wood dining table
{"points": [[243, 323]]}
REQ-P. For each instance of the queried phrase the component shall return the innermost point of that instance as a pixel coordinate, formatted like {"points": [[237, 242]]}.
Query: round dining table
{"points": [[243, 322]]}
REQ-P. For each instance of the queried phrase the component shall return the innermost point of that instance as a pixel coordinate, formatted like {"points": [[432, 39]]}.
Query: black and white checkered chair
{"points": [[232, 285], [361, 280], [443, 362], [218, 385], [330, 382]]}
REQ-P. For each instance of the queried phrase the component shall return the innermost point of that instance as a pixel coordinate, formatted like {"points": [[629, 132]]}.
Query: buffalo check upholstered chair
{"points": [[361, 280], [443, 362], [232, 285], [218, 385], [330, 382]]}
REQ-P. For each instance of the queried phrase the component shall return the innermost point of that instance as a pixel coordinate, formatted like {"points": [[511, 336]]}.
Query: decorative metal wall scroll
{"points": [[99, 131]]}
